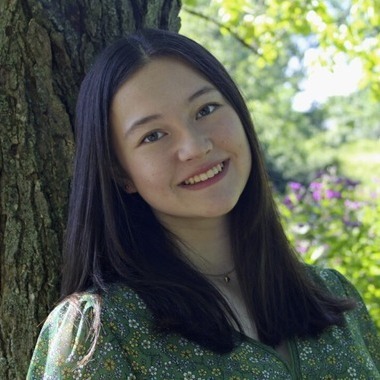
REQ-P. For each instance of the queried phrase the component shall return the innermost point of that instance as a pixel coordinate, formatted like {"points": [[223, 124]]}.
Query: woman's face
{"points": [[181, 145]]}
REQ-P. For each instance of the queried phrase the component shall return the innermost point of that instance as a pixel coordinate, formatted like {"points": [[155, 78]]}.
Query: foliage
{"points": [[350, 27], [352, 117], [332, 222]]}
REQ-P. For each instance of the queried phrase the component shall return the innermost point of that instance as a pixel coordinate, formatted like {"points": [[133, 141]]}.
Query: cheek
{"points": [[232, 134], [147, 175]]}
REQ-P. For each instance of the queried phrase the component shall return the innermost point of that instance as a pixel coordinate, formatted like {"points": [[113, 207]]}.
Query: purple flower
{"points": [[302, 247], [351, 223], [288, 202], [351, 183], [340, 180], [295, 186], [352, 205], [332, 194], [315, 186], [317, 195]]}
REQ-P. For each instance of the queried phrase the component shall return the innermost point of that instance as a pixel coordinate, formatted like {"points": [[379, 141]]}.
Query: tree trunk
{"points": [[45, 48]]}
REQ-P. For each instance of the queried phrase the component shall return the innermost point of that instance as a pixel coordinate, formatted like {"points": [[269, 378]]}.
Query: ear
{"points": [[129, 186], [121, 178]]}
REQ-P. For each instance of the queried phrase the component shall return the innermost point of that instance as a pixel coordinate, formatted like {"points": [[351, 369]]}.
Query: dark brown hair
{"points": [[113, 236]]}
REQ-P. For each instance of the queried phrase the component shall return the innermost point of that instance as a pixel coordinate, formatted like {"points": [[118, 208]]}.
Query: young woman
{"points": [[176, 264]]}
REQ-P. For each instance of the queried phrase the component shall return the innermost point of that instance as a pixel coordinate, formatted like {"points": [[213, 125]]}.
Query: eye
{"points": [[153, 136], [206, 110]]}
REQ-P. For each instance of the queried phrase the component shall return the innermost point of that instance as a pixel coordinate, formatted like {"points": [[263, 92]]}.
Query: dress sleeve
{"points": [[66, 340], [359, 318]]}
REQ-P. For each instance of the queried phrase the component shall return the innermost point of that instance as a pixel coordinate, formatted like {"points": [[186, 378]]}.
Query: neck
{"points": [[205, 243]]}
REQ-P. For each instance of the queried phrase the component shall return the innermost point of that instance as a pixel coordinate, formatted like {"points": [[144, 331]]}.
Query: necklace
{"points": [[226, 275]]}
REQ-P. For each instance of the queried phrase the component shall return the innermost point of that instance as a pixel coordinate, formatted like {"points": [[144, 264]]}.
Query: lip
{"points": [[210, 181]]}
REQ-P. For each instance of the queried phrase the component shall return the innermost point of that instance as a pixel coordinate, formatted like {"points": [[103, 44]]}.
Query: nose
{"points": [[193, 145]]}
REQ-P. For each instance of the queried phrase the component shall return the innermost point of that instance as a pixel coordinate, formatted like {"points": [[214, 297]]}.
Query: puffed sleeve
{"points": [[67, 338]]}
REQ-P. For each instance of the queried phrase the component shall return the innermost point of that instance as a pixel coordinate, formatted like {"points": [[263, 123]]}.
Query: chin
{"points": [[219, 211]]}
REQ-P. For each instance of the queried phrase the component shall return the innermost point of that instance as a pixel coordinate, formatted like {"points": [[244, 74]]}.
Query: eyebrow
{"points": [[144, 120], [202, 91], [147, 119]]}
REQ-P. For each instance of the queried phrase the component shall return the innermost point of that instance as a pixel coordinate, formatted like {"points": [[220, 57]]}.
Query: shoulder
{"points": [[73, 308], [121, 296], [67, 329], [79, 334], [359, 327], [65, 338], [71, 317], [341, 287], [83, 306], [79, 312], [333, 281]]}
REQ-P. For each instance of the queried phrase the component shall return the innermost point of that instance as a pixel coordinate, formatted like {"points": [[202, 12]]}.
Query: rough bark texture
{"points": [[45, 48]]}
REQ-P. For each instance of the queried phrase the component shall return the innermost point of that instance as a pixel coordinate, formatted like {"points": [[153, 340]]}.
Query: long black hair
{"points": [[113, 236]]}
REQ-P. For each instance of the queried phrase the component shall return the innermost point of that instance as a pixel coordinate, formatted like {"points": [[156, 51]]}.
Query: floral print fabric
{"points": [[128, 348]]}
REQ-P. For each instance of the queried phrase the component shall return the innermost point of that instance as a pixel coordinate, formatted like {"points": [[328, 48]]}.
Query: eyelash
{"points": [[146, 138], [214, 105]]}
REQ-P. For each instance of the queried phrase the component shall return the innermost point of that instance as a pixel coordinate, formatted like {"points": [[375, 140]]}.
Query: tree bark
{"points": [[45, 48]]}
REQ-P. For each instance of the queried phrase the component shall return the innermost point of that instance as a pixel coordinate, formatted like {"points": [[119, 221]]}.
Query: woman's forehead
{"points": [[161, 78]]}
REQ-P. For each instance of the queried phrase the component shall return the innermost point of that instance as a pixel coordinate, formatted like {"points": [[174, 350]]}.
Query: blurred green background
{"points": [[310, 73]]}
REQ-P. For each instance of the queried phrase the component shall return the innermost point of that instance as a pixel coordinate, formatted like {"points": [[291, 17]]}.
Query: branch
{"points": [[222, 26]]}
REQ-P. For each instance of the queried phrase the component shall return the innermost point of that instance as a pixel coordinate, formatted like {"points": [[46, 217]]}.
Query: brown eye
{"points": [[152, 137], [206, 110]]}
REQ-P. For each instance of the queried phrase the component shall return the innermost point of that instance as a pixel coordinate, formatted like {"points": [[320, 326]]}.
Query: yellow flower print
{"points": [[135, 365], [131, 306], [186, 354], [133, 342], [216, 372], [66, 372], [172, 347], [202, 372], [80, 349], [143, 370], [331, 360], [109, 365], [112, 326], [39, 369], [244, 367], [130, 351]]}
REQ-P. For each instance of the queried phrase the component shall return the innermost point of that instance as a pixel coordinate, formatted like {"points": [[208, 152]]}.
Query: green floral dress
{"points": [[128, 348]]}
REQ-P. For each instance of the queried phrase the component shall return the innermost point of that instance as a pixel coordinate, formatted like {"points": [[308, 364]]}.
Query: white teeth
{"points": [[205, 176]]}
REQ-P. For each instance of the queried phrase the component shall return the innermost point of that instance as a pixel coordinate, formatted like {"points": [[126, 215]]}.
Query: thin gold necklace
{"points": [[226, 275]]}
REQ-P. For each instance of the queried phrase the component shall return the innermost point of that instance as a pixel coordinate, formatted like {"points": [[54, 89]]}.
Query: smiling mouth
{"points": [[206, 175]]}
